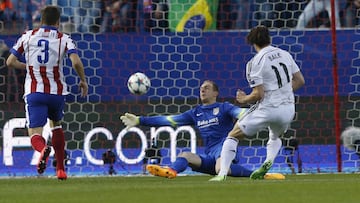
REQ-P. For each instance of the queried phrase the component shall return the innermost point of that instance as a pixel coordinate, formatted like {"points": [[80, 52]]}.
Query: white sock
{"points": [[272, 149], [228, 153]]}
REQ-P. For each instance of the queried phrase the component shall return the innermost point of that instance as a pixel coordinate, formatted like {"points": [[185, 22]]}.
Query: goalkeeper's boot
{"points": [[260, 173], [162, 171], [218, 178], [61, 174], [41, 166], [274, 176]]}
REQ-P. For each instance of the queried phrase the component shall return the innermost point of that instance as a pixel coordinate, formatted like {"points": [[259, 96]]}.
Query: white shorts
{"points": [[277, 119]]}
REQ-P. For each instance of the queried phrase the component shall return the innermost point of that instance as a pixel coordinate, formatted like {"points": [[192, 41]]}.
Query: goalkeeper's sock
{"points": [[272, 149], [37, 142], [228, 153], [236, 170], [180, 164], [58, 143]]}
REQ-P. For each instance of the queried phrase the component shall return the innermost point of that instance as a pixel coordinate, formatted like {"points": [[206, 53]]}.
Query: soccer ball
{"points": [[138, 83]]}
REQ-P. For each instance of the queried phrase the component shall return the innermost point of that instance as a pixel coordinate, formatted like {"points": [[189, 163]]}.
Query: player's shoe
{"points": [[162, 171], [61, 174], [260, 173], [274, 176], [218, 178], [41, 166]]}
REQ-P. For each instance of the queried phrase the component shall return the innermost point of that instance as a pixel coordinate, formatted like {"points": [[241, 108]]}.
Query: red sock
{"points": [[58, 143], [37, 142]]}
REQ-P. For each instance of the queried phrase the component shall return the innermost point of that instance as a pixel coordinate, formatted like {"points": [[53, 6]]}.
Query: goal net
{"points": [[178, 44]]}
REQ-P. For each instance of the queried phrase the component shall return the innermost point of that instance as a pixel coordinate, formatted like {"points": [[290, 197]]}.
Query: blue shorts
{"points": [[208, 161], [207, 165], [39, 107]]}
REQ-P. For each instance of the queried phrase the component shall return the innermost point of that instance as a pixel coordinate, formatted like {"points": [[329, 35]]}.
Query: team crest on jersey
{"points": [[216, 111]]}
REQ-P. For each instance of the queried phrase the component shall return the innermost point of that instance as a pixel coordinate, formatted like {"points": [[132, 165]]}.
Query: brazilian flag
{"points": [[192, 14]]}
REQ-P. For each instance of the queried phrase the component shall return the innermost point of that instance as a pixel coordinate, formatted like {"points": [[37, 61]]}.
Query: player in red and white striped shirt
{"points": [[44, 49]]}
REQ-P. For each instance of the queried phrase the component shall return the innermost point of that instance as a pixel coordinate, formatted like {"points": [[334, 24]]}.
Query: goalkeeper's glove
{"points": [[130, 120]]}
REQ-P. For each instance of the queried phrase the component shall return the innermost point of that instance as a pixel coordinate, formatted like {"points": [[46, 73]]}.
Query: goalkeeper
{"points": [[214, 120]]}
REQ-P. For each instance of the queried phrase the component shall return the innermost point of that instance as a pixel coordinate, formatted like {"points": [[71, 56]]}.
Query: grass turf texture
{"points": [[185, 189]]}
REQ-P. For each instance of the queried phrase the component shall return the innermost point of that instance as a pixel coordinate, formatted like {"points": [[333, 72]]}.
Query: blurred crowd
{"points": [[148, 15]]}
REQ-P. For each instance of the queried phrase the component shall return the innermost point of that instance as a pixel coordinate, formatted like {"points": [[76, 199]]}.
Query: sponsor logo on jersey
{"points": [[207, 123]]}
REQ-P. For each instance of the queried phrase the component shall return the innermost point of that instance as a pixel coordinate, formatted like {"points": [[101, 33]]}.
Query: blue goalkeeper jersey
{"points": [[213, 122]]}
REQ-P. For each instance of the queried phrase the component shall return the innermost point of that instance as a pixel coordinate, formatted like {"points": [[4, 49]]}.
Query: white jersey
{"points": [[44, 49], [273, 68]]}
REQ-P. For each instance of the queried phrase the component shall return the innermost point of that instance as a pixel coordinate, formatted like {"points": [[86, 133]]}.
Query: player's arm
{"points": [[256, 94], [12, 61], [171, 120], [235, 111], [131, 120], [16, 59], [255, 80], [240, 112], [79, 68], [298, 80]]}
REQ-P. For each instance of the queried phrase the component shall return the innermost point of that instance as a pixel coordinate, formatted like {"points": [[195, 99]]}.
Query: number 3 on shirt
{"points": [[44, 46]]}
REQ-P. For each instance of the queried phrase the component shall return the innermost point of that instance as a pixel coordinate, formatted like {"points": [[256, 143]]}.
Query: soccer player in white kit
{"points": [[44, 49], [273, 76]]}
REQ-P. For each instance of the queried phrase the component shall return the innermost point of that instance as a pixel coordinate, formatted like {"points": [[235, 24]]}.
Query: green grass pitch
{"points": [[184, 189]]}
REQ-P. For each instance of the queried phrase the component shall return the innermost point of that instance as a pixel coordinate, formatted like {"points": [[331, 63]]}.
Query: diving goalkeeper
{"points": [[213, 120]]}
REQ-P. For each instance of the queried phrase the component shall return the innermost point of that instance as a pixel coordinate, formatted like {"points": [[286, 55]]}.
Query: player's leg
{"points": [[36, 118], [38, 143], [37, 140], [228, 152], [56, 109], [237, 170], [274, 144], [272, 149], [183, 160], [58, 143], [253, 122], [206, 164], [279, 120]]}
